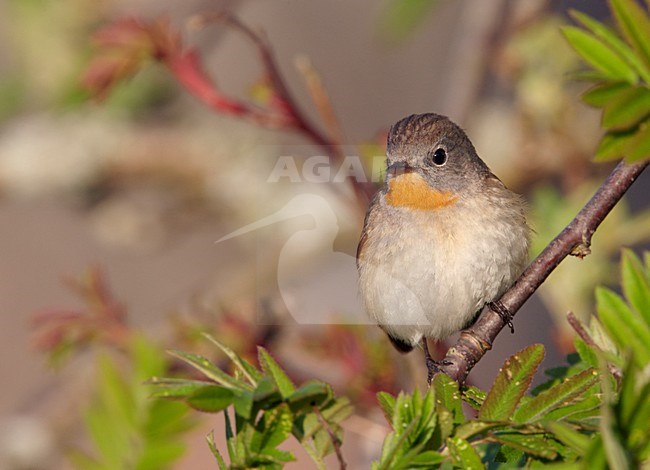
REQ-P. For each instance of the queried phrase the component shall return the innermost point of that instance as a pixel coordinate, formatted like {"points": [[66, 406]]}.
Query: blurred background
{"points": [[130, 194]]}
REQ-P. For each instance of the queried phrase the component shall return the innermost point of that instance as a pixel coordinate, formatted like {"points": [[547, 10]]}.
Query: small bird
{"points": [[441, 239]]}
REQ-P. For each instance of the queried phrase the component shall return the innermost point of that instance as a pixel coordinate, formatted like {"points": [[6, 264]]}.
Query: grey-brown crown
{"points": [[424, 129], [414, 140]]}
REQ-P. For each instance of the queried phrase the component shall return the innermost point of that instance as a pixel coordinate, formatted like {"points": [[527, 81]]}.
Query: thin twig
{"points": [[582, 332], [574, 240], [320, 98], [336, 442], [297, 119]]}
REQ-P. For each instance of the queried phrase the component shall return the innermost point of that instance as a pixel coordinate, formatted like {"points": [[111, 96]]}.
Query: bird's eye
{"points": [[438, 157]]}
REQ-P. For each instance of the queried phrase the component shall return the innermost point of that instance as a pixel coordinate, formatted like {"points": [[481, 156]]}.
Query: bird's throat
{"points": [[411, 190]]}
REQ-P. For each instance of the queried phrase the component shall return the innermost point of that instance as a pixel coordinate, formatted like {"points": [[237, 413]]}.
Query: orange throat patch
{"points": [[410, 190]]}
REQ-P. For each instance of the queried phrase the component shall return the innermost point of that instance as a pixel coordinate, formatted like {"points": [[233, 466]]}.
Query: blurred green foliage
{"points": [[620, 71], [127, 427], [400, 18]]}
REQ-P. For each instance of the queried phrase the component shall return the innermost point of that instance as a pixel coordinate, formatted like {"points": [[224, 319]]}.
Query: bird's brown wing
{"points": [[364, 232], [362, 241]]}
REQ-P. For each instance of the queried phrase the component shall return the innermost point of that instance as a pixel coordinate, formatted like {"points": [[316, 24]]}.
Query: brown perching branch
{"points": [[574, 240]]}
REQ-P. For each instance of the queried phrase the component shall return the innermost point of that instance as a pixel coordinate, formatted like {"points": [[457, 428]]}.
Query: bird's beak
{"points": [[399, 168]]}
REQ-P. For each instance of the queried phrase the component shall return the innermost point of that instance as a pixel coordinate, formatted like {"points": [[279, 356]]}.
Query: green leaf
{"points": [[265, 389], [580, 410], [387, 404], [273, 369], [82, 461], [334, 412], [310, 394], [243, 403], [274, 458], [638, 146], [560, 394], [474, 397], [246, 442], [209, 369], [599, 55], [115, 393], [511, 383], [595, 456], [229, 433], [406, 460], [211, 398], [634, 24], [589, 76], [148, 360], [311, 428], [111, 418], [625, 329], [604, 93], [586, 352], [322, 441], [610, 38], [413, 422], [394, 446], [448, 395], [627, 398], [633, 407], [463, 454], [266, 395], [428, 416], [427, 459], [276, 426], [508, 455], [337, 410], [166, 419], [636, 287], [615, 453], [247, 369], [400, 416], [159, 454], [629, 108], [614, 145], [475, 427], [101, 426], [175, 388], [313, 453], [569, 436], [445, 425], [217, 455], [533, 444]]}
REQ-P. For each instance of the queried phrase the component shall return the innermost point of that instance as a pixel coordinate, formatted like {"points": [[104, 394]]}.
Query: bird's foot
{"points": [[501, 310], [433, 367]]}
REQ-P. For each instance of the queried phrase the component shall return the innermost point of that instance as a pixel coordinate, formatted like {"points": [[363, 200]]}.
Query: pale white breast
{"points": [[429, 272]]}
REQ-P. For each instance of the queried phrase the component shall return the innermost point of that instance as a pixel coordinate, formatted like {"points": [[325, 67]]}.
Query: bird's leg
{"points": [[504, 313], [433, 366]]}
